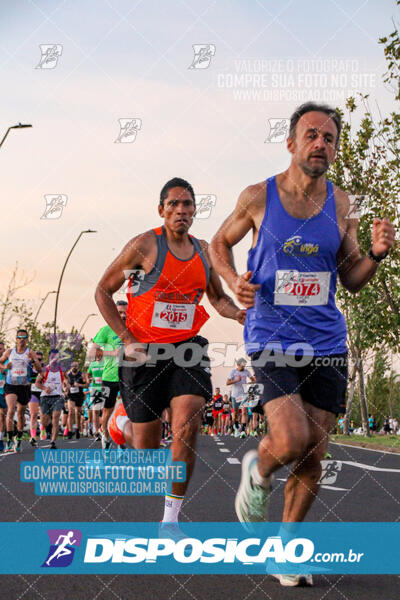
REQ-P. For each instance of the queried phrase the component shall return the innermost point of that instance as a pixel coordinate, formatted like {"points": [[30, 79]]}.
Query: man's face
{"points": [[240, 366], [22, 337], [178, 210], [74, 366], [314, 145], [54, 359], [122, 308], [217, 391], [99, 354]]}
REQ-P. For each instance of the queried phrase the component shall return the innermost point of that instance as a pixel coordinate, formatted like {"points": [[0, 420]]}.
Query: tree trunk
{"points": [[363, 398], [350, 396]]}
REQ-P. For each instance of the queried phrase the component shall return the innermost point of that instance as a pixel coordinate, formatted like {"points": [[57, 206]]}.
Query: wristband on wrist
{"points": [[375, 258]]}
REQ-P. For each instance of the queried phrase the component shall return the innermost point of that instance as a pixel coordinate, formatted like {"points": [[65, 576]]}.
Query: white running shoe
{"points": [[251, 502], [294, 580]]}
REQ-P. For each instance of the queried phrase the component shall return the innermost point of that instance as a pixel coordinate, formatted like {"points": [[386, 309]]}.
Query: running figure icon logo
{"points": [[55, 204], [204, 205], [203, 54], [128, 129], [357, 207], [278, 131], [50, 55], [133, 278], [330, 470], [62, 547]]}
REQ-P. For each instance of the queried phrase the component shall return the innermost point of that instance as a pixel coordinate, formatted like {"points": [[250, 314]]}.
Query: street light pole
{"points": [[84, 322], [62, 274], [41, 304], [19, 126]]}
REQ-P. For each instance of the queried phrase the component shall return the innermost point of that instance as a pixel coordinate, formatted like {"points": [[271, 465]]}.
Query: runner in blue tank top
{"points": [[303, 238]]}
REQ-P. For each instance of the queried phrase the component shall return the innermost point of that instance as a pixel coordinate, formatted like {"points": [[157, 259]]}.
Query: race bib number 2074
{"points": [[293, 288]]}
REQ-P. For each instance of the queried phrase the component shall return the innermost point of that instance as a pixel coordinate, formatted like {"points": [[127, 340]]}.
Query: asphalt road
{"points": [[363, 486]]}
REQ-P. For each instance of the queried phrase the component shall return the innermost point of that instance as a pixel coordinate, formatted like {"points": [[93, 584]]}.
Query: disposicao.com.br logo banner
{"points": [[200, 548]]}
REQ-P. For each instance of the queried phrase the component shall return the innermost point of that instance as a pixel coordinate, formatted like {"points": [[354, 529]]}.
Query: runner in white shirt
{"points": [[18, 362], [50, 381], [237, 378]]}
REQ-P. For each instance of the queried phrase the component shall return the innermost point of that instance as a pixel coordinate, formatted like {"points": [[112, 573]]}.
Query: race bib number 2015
{"points": [[173, 316], [293, 288]]}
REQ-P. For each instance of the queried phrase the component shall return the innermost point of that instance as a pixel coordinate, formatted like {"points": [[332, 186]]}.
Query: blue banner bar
{"points": [[199, 548]]}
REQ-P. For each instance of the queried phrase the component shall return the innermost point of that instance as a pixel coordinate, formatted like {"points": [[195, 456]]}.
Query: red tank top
{"points": [[163, 307]]}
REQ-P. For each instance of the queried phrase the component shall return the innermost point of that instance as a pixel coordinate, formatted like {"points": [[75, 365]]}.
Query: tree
{"points": [[368, 166], [16, 312], [8, 321]]}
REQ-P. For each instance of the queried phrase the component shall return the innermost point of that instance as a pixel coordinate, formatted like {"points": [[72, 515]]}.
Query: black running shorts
{"points": [[148, 389], [321, 383], [77, 398], [23, 392], [109, 393]]}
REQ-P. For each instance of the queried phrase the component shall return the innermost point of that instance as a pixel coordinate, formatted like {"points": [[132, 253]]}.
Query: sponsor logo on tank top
{"points": [[295, 246], [178, 297]]}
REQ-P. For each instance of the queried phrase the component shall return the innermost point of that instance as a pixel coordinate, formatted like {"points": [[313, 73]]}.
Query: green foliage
{"points": [[16, 312], [368, 163]]}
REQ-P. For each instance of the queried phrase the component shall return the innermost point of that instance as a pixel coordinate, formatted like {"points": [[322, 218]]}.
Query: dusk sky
{"points": [[131, 60]]}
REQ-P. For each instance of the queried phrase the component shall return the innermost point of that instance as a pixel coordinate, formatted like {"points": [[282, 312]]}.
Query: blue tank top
{"points": [[294, 260]]}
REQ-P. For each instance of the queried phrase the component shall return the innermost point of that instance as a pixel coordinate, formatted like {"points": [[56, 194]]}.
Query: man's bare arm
{"points": [[93, 347], [35, 360], [355, 271], [222, 303], [131, 257], [5, 356], [230, 233]]}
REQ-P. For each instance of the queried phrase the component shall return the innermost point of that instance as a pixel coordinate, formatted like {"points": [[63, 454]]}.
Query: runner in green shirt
{"points": [[95, 404], [110, 342]]}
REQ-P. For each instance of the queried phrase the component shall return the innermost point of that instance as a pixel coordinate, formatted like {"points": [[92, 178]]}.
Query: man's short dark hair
{"points": [[175, 182], [22, 331], [121, 303], [311, 107]]}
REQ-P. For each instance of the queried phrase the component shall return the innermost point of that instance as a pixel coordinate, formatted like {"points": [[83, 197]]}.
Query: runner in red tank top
{"points": [[165, 362]]}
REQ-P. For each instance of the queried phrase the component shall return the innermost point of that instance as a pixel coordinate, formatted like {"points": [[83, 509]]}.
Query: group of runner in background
{"points": [[41, 398]]}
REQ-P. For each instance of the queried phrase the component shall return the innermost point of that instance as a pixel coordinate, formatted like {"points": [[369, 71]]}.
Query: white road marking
{"points": [[368, 467], [220, 444], [224, 450], [233, 461]]}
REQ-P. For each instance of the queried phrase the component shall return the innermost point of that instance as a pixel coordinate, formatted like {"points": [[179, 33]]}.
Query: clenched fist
{"points": [[383, 236], [244, 290]]}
